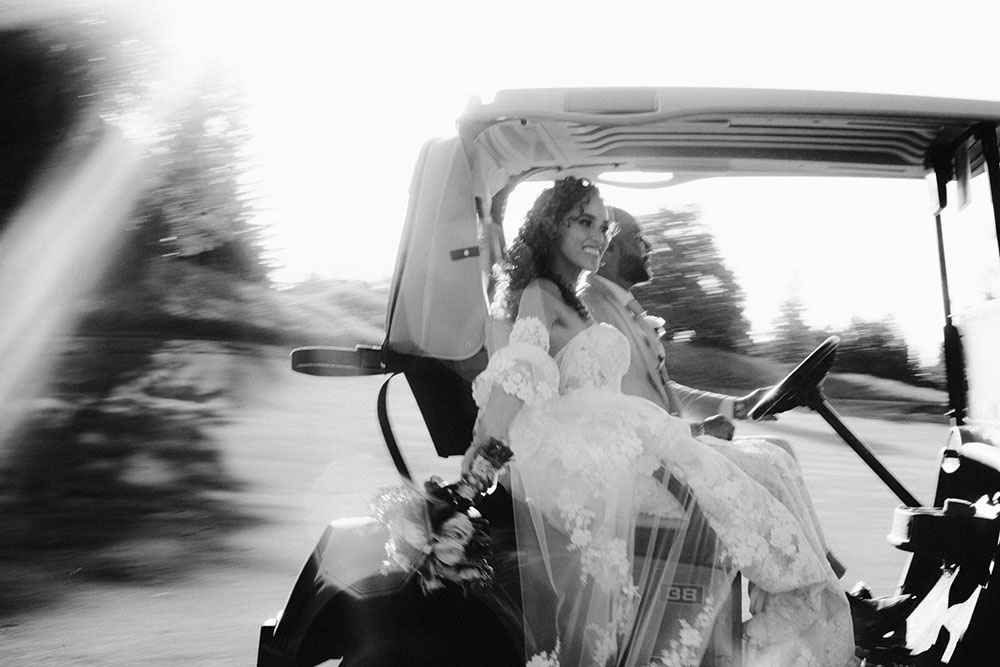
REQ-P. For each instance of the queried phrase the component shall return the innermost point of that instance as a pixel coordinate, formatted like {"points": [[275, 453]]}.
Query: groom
{"points": [[609, 298]]}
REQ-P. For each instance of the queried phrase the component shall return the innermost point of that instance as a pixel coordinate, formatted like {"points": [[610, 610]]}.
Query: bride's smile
{"points": [[583, 240]]}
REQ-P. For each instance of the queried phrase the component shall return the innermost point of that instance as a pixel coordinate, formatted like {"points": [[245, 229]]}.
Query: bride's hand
{"points": [[483, 464], [469, 458]]}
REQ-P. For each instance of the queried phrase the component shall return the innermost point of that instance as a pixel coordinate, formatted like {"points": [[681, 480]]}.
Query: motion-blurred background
{"points": [[163, 474]]}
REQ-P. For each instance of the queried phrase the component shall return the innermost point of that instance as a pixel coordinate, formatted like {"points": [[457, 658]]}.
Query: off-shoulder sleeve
{"points": [[522, 368]]}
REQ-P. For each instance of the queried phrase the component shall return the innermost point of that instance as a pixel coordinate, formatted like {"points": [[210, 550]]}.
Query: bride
{"points": [[629, 529]]}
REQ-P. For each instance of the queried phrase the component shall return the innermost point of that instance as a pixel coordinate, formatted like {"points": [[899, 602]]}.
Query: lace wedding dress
{"points": [[630, 531]]}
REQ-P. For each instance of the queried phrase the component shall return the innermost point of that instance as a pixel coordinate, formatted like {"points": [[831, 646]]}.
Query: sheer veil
{"points": [[679, 580]]}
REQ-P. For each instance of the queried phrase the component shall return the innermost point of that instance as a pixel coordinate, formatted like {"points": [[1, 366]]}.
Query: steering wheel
{"points": [[799, 387]]}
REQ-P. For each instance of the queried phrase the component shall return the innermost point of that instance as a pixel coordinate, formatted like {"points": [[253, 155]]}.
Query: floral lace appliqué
{"points": [[523, 368], [605, 561], [530, 330], [760, 533], [545, 658], [684, 650], [589, 360]]}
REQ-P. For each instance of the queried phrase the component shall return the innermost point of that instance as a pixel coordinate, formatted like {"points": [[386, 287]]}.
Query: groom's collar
{"points": [[621, 296]]}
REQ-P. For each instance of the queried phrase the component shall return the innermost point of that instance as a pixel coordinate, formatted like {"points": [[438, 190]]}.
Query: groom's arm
{"points": [[698, 404]]}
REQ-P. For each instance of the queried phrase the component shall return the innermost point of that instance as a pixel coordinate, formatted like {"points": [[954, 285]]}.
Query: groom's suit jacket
{"points": [[645, 377]]}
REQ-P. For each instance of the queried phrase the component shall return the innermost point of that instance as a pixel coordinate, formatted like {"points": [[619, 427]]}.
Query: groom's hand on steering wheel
{"points": [[742, 405]]}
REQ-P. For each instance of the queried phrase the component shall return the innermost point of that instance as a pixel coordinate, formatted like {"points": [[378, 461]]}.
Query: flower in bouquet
{"points": [[459, 543], [438, 534], [451, 540], [399, 509]]}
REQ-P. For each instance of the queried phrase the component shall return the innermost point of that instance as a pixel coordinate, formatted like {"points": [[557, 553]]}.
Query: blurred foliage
{"points": [[58, 79], [793, 338], [118, 451], [692, 288], [41, 84], [876, 347], [852, 393], [870, 347], [195, 211], [115, 476], [194, 252], [331, 312], [61, 80]]}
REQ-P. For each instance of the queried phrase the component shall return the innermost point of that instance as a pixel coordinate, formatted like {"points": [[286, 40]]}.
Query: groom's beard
{"points": [[635, 270]]}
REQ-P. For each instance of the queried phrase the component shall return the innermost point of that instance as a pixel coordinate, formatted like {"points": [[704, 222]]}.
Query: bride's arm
{"points": [[502, 407], [493, 422]]}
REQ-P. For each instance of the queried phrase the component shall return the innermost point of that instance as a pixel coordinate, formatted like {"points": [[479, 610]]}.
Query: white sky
{"points": [[345, 93]]}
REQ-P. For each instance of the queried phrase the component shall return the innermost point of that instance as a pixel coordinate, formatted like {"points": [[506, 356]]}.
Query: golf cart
{"points": [[439, 335]]}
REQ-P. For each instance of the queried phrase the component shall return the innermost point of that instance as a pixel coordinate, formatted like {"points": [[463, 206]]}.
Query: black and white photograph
{"points": [[520, 334]]}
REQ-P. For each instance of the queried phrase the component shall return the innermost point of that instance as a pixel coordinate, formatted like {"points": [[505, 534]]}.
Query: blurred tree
{"points": [[793, 338], [692, 288], [194, 249], [192, 252], [42, 83], [117, 406], [876, 347], [196, 209], [61, 80]]}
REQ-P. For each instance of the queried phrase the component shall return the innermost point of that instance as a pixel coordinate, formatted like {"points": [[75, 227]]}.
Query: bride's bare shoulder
{"points": [[539, 297], [543, 286]]}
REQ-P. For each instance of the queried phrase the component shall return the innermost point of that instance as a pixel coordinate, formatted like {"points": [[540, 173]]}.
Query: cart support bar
{"points": [[833, 419]]}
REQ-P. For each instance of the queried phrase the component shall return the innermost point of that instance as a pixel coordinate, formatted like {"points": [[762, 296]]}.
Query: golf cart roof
{"points": [[702, 132], [452, 236]]}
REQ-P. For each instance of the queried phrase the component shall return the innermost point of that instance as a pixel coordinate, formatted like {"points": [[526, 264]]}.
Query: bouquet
{"points": [[438, 534]]}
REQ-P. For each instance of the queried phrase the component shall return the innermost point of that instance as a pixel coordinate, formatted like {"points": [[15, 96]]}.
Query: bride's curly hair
{"points": [[529, 253]]}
